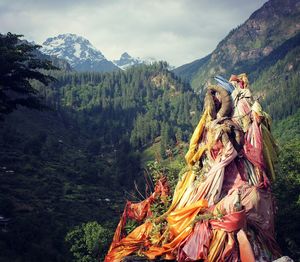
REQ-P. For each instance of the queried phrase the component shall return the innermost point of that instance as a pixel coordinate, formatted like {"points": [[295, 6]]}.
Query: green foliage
{"points": [[287, 183], [158, 170], [57, 182], [89, 242], [280, 80], [150, 99], [130, 226], [287, 129], [19, 65], [286, 190]]}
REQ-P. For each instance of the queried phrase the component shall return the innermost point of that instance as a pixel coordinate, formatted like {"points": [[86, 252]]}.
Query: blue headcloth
{"points": [[224, 83]]}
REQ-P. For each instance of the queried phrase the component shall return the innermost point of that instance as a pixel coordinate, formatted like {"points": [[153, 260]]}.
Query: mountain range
{"points": [[83, 56], [241, 50]]}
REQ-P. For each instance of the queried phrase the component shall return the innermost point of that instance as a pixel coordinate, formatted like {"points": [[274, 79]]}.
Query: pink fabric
{"points": [[196, 245], [243, 107], [259, 207], [228, 154], [253, 147], [232, 178], [211, 188]]}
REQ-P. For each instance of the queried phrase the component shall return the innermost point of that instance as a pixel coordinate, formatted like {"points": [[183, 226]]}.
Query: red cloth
{"points": [[231, 222]]}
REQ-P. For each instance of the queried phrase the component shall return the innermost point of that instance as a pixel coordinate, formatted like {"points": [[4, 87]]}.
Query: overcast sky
{"points": [[178, 31]]}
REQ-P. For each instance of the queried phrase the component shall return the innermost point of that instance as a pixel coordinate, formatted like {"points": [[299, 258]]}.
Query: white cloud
{"points": [[178, 31]]}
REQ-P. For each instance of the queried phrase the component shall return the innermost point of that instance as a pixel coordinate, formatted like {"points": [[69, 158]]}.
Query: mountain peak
{"points": [[125, 55], [127, 61], [78, 51], [72, 48]]}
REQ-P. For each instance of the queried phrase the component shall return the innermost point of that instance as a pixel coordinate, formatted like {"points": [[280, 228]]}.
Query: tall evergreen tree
{"points": [[19, 65]]}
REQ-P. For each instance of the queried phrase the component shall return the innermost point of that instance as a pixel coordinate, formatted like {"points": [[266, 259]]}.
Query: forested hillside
{"points": [[277, 86], [75, 161]]}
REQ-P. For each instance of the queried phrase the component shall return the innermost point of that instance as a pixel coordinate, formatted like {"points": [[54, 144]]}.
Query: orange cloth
{"points": [[133, 242], [182, 218], [180, 224]]}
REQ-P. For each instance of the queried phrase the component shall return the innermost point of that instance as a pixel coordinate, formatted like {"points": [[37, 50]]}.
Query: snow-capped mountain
{"points": [[79, 53], [127, 61]]}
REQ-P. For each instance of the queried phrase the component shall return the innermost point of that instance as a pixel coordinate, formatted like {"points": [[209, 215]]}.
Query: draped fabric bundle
{"points": [[222, 207]]}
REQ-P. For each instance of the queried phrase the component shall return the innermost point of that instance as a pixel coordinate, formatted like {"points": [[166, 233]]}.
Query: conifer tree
{"points": [[19, 64]]}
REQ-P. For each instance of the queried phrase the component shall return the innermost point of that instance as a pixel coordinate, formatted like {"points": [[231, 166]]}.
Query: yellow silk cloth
{"points": [[194, 153], [269, 145], [269, 150], [223, 244], [181, 187], [182, 218], [180, 224]]}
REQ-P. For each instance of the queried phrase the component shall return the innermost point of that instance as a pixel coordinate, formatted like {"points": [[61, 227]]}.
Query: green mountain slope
{"points": [[287, 129], [187, 71], [265, 30], [287, 183], [278, 86]]}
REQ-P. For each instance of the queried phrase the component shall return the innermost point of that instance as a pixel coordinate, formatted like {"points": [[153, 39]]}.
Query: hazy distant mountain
{"points": [[244, 47], [127, 61], [78, 52]]}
